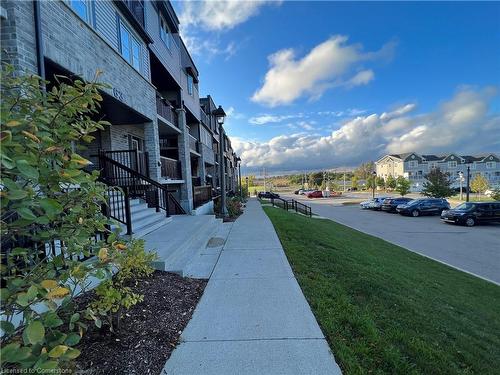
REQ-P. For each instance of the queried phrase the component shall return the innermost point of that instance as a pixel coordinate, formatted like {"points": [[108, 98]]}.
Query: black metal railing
{"points": [[204, 117], [170, 168], [118, 206], [201, 195], [166, 110], [292, 204], [138, 186], [134, 159]]}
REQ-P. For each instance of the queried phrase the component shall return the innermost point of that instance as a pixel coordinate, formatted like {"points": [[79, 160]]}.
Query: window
{"points": [[130, 47], [433, 165], [165, 34], [490, 165], [190, 83], [413, 163], [452, 164], [473, 165], [81, 7]]}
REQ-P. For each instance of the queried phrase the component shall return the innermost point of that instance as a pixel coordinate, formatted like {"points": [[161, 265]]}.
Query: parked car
{"points": [[374, 203], [315, 194], [472, 213], [267, 194], [390, 204], [424, 206], [296, 192]]}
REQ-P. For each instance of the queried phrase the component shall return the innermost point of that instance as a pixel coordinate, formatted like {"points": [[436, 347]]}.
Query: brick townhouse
{"points": [[164, 137]]}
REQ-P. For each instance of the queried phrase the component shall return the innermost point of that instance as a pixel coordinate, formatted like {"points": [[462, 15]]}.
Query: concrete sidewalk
{"points": [[253, 317]]}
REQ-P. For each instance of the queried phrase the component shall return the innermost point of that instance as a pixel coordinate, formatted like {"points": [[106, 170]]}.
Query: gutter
{"points": [[38, 39]]}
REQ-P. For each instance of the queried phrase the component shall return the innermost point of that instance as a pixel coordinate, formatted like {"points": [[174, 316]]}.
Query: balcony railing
{"points": [[193, 143], [137, 9], [170, 168], [204, 117], [201, 195], [166, 110]]}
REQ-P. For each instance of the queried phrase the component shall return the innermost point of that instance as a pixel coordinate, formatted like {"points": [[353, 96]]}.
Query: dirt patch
{"points": [[149, 331]]}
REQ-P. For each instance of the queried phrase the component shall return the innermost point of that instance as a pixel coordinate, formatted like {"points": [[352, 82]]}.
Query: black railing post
{"points": [[157, 200], [128, 215], [167, 207], [146, 162]]}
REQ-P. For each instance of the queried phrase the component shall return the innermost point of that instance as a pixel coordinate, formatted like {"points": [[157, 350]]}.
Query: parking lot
{"points": [[475, 250]]}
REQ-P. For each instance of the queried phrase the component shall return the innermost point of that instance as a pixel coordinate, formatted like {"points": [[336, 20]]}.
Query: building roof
{"points": [[434, 157]]}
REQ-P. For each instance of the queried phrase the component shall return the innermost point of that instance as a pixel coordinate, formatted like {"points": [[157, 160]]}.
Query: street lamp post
{"points": [[220, 115], [238, 160], [461, 180], [374, 175], [248, 193], [468, 184]]}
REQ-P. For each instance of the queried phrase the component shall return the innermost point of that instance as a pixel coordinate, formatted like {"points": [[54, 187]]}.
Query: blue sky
{"points": [[312, 85]]}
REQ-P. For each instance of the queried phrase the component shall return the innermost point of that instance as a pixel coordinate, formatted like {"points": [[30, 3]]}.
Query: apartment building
{"points": [[415, 166], [162, 133]]}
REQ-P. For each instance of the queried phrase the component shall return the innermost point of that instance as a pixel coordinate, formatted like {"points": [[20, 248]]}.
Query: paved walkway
{"points": [[253, 317]]}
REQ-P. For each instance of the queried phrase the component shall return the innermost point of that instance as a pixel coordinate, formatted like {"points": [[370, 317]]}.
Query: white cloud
{"points": [[327, 65], [267, 118], [219, 15], [462, 124], [231, 113]]}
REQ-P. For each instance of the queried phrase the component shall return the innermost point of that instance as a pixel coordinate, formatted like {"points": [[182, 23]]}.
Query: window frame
{"points": [[169, 38], [190, 84], [491, 164], [122, 26], [88, 8], [450, 164]]}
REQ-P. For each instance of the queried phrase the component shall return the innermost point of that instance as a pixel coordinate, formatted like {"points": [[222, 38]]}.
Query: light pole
{"points": [[238, 160], [461, 180], [374, 175], [468, 182], [220, 115], [248, 193]]}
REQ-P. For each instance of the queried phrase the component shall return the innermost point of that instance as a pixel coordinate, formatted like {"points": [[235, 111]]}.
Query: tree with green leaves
{"points": [[370, 182], [391, 182], [403, 186], [354, 182], [438, 184], [479, 184], [380, 182]]}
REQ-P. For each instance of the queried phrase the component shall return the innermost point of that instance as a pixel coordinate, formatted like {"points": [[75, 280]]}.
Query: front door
{"points": [[138, 162]]}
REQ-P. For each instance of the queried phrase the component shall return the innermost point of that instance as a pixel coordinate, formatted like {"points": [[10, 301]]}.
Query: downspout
{"points": [[38, 39]]}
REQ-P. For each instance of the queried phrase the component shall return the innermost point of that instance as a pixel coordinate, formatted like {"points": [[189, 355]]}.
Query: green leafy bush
{"points": [[114, 295]]}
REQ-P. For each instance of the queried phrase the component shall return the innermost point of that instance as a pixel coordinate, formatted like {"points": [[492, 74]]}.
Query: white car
{"points": [[364, 205], [374, 204]]}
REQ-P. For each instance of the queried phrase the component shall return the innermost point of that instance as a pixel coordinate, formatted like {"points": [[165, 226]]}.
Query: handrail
{"points": [[138, 184], [293, 205]]}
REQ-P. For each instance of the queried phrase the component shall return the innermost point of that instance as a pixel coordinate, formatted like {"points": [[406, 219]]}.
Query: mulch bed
{"points": [[149, 331]]}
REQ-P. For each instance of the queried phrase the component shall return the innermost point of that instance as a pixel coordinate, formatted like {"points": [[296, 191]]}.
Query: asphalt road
{"points": [[475, 250]]}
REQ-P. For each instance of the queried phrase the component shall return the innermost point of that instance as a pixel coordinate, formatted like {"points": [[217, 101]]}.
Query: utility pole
{"points": [[344, 181], [468, 183]]}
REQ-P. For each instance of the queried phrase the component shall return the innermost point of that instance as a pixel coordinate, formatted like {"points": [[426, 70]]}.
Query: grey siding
{"points": [[105, 22], [170, 58]]}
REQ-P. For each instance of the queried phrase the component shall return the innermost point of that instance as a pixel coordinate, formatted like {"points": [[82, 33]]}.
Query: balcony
{"points": [[204, 118], [201, 195], [136, 7], [193, 144], [170, 168], [166, 110]]}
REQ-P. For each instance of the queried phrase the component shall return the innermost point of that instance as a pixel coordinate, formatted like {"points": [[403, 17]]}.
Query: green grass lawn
{"points": [[386, 310]]}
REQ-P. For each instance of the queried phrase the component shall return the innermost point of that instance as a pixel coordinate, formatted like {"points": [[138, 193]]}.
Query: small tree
{"points": [[380, 182], [402, 186], [370, 183], [354, 182], [390, 183], [438, 184], [479, 184]]}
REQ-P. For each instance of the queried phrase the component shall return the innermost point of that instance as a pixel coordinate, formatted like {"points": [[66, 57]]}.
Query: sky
{"points": [[316, 85]]}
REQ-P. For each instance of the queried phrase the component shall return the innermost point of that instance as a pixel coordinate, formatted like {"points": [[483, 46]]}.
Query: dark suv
{"points": [[425, 206], [472, 213], [267, 194], [390, 204]]}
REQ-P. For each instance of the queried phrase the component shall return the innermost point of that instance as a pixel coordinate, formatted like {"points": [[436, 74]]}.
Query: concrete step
{"points": [[181, 240]]}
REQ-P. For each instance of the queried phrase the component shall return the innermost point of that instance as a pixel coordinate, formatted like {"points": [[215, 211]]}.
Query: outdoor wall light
{"points": [[220, 115]]}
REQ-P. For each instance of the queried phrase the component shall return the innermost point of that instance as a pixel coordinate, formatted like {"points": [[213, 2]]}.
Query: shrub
{"points": [[46, 198], [234, 207], [114, 295]]}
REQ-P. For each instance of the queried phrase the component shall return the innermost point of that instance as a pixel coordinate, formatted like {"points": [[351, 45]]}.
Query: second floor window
{"points": [[190, 84], [130, 47], [165, 33], [413, 164], [82, 8], [490, 165], [452, 164]]}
